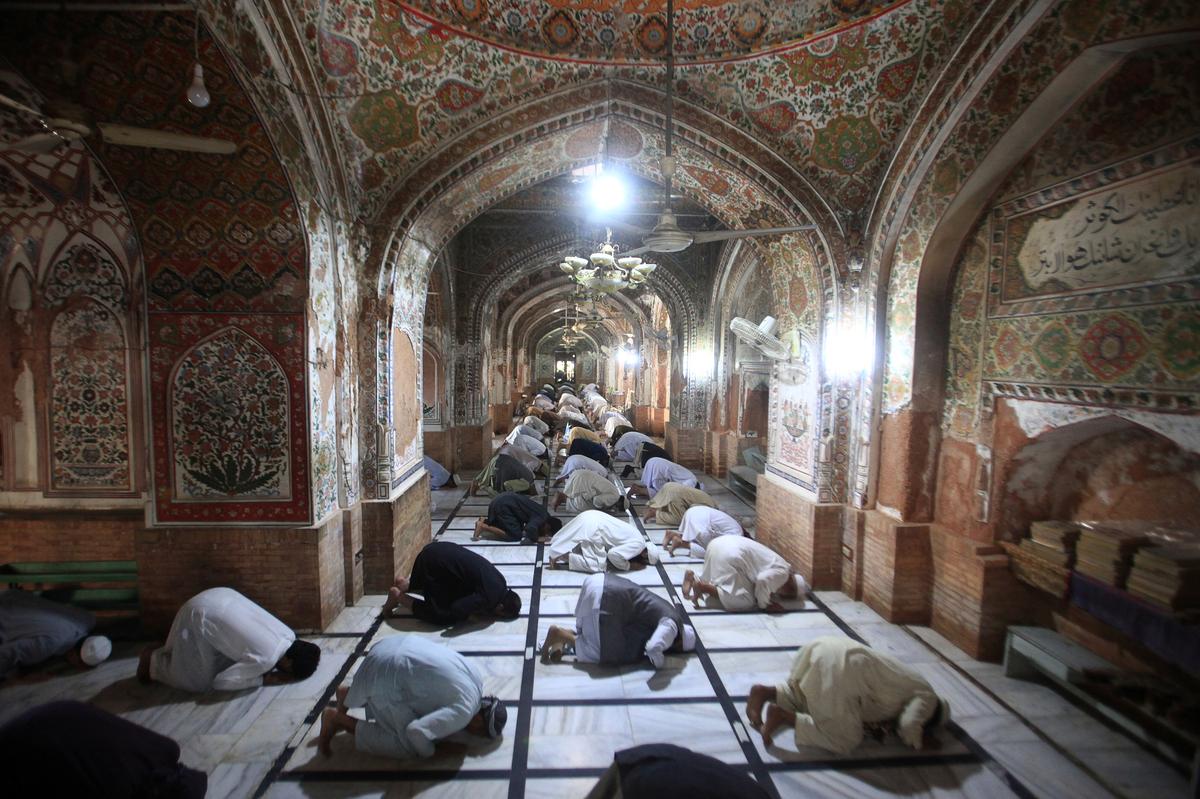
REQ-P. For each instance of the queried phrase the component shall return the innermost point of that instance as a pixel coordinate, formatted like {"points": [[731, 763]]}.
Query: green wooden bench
{"points": [[80, 583]]}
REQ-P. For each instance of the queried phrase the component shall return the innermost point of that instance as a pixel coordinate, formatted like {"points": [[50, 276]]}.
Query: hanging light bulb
{"points": [[197, 94]]}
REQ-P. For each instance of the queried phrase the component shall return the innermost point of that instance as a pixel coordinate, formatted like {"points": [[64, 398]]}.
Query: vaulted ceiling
{"points": [[824, 84]]}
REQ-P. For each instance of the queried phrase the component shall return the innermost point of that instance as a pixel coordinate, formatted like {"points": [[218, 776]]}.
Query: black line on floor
{"points": [[836, 619], [520, 761], [276, 769], [454, 511], [437, 775], [621, 701], [981, 754], [754, 762], [958, 732], [859, 763]]}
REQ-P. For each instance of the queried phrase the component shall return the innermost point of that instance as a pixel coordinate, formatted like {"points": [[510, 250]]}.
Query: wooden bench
{"points": [[744, 479], [84, 584]]}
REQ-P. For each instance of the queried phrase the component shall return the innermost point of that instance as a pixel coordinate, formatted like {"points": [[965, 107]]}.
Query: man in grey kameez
{"points": [[416, 693], [617, 623]]}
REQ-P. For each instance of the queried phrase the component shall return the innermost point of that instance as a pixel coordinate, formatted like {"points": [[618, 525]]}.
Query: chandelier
{"points": [[604, 273]]}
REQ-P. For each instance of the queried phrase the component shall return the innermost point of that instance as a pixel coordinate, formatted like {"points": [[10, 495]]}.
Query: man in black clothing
{"points": [[73, 749], [456, 584], [645, 451], [651, 771], [513, 517], [597, 452]]}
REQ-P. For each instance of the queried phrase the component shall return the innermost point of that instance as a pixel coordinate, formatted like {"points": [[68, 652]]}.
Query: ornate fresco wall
{"points": [[1081, 284], [225, 267], [1059, 36], [70, 283]]}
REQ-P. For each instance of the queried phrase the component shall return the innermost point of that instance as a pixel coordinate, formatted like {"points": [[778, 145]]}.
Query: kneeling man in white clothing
{"points": [[699, 526], [222, 641], [740, 574]]}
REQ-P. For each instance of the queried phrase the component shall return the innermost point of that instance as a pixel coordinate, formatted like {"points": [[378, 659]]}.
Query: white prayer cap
{"points": [[95, 650]]}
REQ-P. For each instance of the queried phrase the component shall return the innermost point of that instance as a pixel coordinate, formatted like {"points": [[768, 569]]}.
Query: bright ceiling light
{"points": [[607, 192], [628, 357]]}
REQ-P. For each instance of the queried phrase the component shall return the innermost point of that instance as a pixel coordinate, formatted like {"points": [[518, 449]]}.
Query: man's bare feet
{"points": [[328, 730], [777, 717], [341, 693], [472, 488], [759, 694], [478, 529], [689, 585], [556, 641], [389, 604]]}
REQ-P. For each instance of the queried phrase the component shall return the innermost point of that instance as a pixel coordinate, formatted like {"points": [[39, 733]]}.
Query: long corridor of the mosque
{"points": [[291, 289]]}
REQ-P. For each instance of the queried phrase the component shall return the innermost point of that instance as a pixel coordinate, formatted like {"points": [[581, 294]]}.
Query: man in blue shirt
{"points": [[415, 693]]}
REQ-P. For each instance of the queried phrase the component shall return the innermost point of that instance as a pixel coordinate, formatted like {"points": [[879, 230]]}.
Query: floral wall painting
{"points": [[794, 425], [229, 421], [89, 410]]}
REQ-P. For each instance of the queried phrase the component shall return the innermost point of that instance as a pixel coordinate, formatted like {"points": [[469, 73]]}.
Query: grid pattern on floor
{"points": [[566, 719]]}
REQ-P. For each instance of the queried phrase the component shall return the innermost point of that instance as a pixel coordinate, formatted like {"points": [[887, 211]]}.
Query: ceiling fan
{"points": [[667, 236], [57, 131]]}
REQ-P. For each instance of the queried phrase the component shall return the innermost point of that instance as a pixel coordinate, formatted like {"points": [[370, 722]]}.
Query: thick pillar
{"points": [[808, 534], [393, 533], [686, 445], [295, 573], [896, 569]]}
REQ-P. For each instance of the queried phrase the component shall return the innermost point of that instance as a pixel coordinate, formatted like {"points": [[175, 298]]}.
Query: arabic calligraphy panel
{"points": [[1140, 231]]}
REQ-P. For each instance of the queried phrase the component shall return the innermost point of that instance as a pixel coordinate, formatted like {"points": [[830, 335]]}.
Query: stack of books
{"points": [[1052, 542], [1167, 576], [1105, 553]]}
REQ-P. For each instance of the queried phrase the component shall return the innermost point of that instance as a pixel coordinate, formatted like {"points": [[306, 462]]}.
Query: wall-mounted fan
{"points": [[57, 131], [761, 337], [667, 236]]}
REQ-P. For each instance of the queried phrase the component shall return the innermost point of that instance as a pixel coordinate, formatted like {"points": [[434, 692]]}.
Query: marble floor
{"points": [[1007, 737]]}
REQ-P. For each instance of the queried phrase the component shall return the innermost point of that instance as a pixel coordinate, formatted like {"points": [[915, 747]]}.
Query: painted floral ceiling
{"points": [[828, 85], [636, 30], [816, 93]]}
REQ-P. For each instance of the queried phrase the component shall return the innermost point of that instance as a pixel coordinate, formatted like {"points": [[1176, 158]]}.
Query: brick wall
{"points": [[974, 594], [720, 452], [331, 568], [94, 535], [908, 461], [352, 553], [806, 533], [393, 533], [896, 569], [281, 569], [472, 448], [686, 446], [502, 418], [437, 445], [854, 530]]}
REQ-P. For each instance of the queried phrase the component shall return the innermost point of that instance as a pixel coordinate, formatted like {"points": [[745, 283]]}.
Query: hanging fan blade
{"points": [[705, 236], [631, 253], [24, 109], [163, 140]]}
